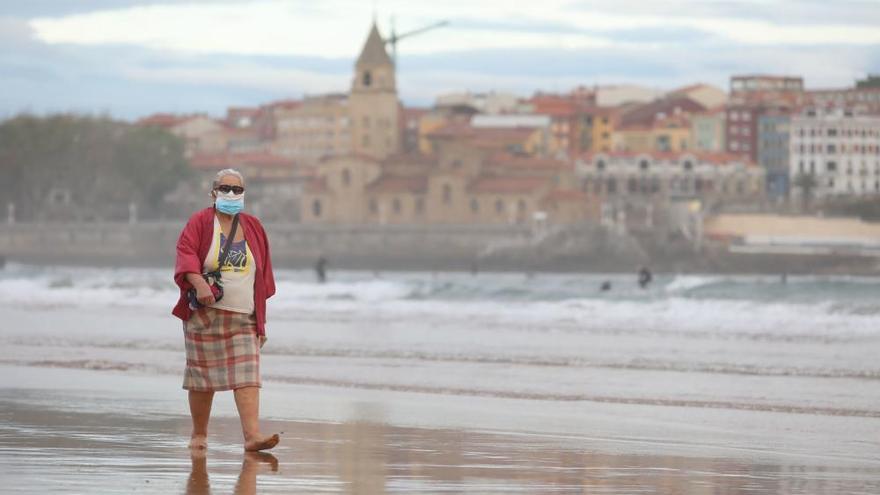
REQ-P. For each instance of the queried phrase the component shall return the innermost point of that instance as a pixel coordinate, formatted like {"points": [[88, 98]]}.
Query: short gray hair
{"points": [[223, 173]]}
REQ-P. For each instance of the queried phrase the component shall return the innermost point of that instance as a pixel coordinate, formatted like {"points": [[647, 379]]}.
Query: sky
{"points": [[131, 58]]}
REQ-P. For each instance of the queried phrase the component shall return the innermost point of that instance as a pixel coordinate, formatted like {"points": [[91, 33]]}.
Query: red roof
{"points": [[505, 159], [165, 120], [555, 105], [417, 184], [288, 104], [507, 185], [252, 159], [646, 113], [414, 113]]}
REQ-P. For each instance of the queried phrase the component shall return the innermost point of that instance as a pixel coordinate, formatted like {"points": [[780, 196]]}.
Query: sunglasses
{"points": [[226, 189]]}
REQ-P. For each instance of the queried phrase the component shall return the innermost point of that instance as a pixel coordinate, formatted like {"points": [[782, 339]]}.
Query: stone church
{"points": [[471, 176]]}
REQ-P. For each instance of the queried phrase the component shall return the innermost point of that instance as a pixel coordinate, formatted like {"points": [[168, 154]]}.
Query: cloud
{"points": [[133, 57]]}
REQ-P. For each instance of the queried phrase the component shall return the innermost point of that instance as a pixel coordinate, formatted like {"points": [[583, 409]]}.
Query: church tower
{"points": [[374, 109]]}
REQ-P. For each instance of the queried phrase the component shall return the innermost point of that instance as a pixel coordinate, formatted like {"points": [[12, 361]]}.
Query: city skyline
{"points": [[208, 55]]}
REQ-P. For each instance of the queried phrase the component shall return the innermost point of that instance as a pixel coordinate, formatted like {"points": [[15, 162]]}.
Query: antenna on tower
{"points": [[394, 37]]}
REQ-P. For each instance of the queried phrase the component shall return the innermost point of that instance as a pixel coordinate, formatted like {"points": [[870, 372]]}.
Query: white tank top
{"points": [[237, 275]]}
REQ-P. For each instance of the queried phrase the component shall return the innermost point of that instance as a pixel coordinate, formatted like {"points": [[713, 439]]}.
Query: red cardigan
{"points": [[192, 248]]}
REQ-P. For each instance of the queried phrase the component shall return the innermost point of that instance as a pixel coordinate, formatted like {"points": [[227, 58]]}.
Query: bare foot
{"points": [[198, 442], [262, 443]]}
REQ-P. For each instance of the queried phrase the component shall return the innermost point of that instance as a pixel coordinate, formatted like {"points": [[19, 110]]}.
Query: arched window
{"points": [[367, 78], [316, 208], [612, 185], [447, 194]]}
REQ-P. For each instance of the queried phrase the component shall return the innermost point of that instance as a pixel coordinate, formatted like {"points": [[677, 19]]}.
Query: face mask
{"points": [[229, 203]]}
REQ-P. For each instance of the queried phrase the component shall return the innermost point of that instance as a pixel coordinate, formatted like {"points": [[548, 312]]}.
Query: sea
{"points": [[752, 366]]}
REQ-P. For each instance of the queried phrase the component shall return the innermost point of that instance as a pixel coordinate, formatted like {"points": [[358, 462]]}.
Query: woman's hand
{"points": [[204, 294]]}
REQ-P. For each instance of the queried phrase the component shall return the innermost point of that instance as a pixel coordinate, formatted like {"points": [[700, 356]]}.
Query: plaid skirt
{"points": [[222, 350]]}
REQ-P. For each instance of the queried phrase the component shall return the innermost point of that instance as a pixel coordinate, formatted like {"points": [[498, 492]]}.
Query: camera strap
{"points": [[228, 245]]}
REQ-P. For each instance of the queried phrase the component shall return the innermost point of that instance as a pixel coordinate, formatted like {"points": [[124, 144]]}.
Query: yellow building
{"points": [[312, 128], [671, 134]]}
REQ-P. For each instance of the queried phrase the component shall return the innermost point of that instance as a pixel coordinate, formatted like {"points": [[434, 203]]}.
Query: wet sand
{"points": [[61, 452], [64, 431]]}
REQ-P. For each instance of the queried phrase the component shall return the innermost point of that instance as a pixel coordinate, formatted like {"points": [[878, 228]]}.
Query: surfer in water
{"points": [[645, 277]]}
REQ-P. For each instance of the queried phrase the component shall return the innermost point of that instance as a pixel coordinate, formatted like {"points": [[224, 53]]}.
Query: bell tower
{"points": [[374, 108]]}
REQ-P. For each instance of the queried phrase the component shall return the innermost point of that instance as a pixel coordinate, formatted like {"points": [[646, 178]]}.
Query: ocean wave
{"points": [[723, 306]]}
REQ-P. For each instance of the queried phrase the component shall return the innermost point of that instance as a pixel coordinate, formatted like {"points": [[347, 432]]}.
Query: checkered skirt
{"points": [[222, 350]]}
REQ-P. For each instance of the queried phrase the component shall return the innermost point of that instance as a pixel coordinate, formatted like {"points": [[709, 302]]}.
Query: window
{"points": [[420, 205], [688, 165], [395, 205], [475, 205], [643, 164], [316, 208], [447, 194], [365, 140], [632, 185], [367, 78], [499, 206], [612, 186], [831, 149], [600, 164], [346, 177], [831, 166]]}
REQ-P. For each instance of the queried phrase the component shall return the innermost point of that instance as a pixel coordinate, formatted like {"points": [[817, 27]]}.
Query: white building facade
{"points": [[667, 176], [840, 151]]}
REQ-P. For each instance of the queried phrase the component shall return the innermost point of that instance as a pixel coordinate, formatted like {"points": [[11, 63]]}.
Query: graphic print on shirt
{"points": [[237, 260]]}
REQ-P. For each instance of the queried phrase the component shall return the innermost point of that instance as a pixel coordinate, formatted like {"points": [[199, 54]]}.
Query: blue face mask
{"points": [[230, 204]]}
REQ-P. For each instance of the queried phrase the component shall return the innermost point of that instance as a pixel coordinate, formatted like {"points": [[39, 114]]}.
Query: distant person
{"points": [[225, 276], [321, 269], [784, 279], [605, 287], [475, 270], [645, 278]]}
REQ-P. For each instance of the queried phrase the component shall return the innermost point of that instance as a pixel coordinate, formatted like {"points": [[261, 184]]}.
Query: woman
{"points": [[223, 338]]}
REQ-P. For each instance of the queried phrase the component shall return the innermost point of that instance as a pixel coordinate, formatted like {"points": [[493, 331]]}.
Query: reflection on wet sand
{"points": [[106, 453], [253, 462]]}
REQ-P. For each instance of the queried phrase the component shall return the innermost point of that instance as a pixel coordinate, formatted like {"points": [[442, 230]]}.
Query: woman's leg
{"points": [[200, 410], [247, 400]]}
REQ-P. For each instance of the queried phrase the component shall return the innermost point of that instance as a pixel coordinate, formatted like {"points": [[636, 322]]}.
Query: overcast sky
{"points": [[130, 58]]}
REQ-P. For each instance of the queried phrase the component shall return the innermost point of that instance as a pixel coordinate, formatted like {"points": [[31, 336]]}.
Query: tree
{"points": [[70, 167], [807, 184]]}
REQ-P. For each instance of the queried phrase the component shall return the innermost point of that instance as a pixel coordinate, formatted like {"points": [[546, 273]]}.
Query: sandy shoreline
{"points": [[85, 431]]}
